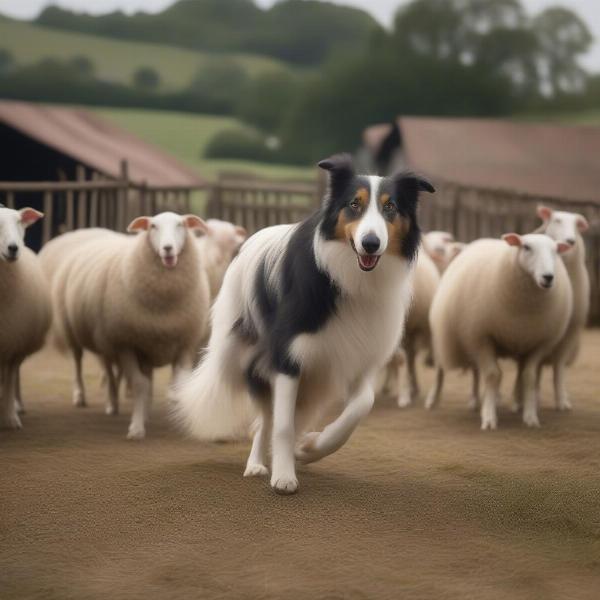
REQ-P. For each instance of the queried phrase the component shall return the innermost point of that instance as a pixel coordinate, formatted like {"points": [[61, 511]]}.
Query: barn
{"points": [[81, 170], [491, 174]]}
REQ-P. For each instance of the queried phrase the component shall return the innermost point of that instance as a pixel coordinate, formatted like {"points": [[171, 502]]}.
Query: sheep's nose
{"points": [[168, 248], [548, 278], [571, 242], [370, 243], [13, 250]]}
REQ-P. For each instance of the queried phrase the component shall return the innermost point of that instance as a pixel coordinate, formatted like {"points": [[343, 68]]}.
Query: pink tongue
{"points": [[368, 261], [169, 261]]}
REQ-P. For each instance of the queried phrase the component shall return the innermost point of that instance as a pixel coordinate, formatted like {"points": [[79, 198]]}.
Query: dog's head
{"points": [[374, 215]]}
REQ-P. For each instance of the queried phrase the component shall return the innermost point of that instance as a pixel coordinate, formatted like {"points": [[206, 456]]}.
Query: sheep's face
{"points": [[12, 230], [441, 248], [562, 226], [167, 233], [536, 255], [227, 236]]}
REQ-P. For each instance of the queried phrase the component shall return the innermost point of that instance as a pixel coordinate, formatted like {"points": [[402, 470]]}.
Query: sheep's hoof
{"points": [[136, 433], [404, 400], [474, 403], [11, 422], [489, 420], [431, 401], [531, 420], [255, 470], [564, 404], [111, 410], [285, 485], [515, 407], [79, 399]]}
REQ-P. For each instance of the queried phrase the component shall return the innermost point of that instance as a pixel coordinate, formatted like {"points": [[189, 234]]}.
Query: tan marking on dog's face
{"points": [[347, 223], [383, 199], [397, 230]]}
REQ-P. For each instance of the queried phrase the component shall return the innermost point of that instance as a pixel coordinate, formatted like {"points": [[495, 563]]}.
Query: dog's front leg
{"points": [[315, 445], [283, 473]]}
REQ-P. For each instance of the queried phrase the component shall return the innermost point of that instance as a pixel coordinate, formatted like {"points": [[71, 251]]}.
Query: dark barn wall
{"points": [[24, 159]]}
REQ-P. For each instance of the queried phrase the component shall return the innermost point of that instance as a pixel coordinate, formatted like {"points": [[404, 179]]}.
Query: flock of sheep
{"points": [[524, 297]]}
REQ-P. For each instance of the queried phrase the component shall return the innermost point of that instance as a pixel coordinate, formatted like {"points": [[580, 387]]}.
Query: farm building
{"points": [[81, 170], [491, 174]]}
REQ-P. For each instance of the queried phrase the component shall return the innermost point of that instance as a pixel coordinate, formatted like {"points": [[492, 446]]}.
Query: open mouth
{"points": [[10, 257], [169, 261], [367, 262], [545, 285]]}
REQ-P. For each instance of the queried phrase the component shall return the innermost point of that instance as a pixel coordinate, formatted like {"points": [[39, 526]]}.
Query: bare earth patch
{"points": [[417, 505]]}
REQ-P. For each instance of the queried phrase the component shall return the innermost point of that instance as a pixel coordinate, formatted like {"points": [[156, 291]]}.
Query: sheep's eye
{"points": [[355, 204], [153, 226], [558, 221], [526, 247]]}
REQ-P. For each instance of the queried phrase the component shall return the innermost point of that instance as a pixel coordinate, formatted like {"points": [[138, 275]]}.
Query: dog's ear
{"points": [[341, 171], [412, 184]]}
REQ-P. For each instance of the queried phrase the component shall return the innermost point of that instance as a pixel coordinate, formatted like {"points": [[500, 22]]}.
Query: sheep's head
{"points": [[12, 230], [562, 226], [227, 237], [441, 248], [167, 233], [536, 255]]}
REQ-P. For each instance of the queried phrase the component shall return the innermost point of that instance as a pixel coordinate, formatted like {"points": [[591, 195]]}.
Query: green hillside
{"points": [[185, 137], [116, 60]]}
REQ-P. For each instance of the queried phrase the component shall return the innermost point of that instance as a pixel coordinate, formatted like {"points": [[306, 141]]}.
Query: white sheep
{"points": [[417, 333], [566, 227], [508, 298], [138, 302], [24, 307], [442, 248], [52, 256]]}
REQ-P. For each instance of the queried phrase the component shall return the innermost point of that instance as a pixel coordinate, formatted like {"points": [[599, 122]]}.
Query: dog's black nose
{"points": [[13, 249], [371, 243], [548, 278]]}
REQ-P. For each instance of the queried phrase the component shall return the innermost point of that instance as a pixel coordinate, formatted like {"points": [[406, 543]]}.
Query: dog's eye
{"points": [[355, 204], [389, 207]]}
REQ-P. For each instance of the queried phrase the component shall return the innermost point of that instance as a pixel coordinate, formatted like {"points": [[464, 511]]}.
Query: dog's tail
{"points": [[213, 403]]}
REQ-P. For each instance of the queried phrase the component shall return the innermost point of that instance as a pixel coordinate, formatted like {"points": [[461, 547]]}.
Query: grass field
{"points": [[584, 117], [115, 60], [418, 504], [185, 136]]}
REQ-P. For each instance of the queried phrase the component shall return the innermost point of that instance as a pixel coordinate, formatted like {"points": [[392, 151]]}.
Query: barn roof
{"points": [[540, 159], [96, 143]]}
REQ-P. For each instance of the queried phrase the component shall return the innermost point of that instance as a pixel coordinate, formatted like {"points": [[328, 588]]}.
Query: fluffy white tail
{"points": [[213, 403]]}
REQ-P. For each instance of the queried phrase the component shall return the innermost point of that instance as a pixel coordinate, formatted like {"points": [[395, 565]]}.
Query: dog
{"points": [[307, 315]]}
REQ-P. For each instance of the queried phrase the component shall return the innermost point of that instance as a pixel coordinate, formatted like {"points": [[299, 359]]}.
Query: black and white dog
{"points": [[307, 315]]}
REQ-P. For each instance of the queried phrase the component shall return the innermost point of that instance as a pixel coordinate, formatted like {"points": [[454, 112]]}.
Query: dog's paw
{"points": [[306, 448], [255, 470], [284, 485]]}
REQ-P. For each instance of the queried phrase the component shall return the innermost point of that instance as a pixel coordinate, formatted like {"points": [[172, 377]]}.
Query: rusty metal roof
{"points": [[96, 143], [541, 159]]}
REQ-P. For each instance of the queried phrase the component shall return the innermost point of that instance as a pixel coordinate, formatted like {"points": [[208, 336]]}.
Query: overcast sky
{"points": [[383, 10]]}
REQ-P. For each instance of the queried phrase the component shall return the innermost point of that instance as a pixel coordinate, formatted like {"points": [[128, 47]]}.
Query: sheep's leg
{"points": [[283, 468], [257, 459], [433, 397], [561, 396], [492, 377], [112, 388], [18, 396], [517, 397], [9, 417], [409, 392], [78, 385], [316, 445], [141, 386], [475, 399], [530, 404]]}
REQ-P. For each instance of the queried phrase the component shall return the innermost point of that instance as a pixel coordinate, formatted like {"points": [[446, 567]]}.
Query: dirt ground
{"points": [[417, 505]]}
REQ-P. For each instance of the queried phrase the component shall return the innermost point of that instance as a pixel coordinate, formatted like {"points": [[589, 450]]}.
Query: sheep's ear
{"points": [[512, 239], [561, 247], [582, 223], [139, 224], [29, 216], [544, 213], [241, 231], [195, 222]]}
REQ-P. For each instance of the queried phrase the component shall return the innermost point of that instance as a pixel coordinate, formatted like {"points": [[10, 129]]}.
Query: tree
{"points": [[563, 38], [83, 65], [146, 79], [7, 61]]}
